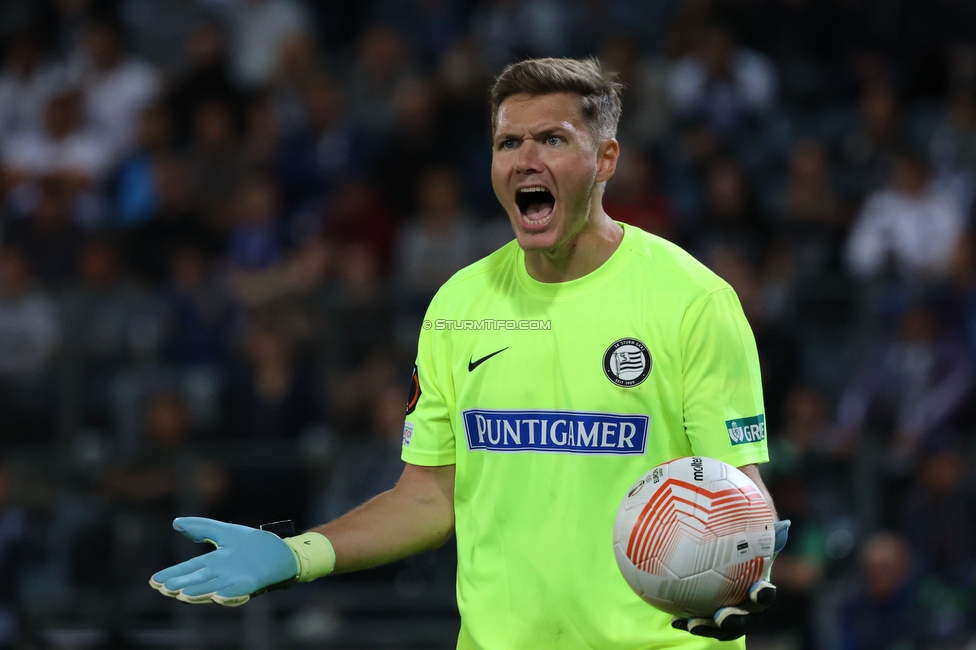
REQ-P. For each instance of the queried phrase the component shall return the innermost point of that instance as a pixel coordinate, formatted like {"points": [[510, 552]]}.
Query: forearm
{"points": [[415, 516], [752, 471]]}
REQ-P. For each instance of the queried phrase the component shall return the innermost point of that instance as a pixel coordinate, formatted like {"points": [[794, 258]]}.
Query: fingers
{"points": [[706, 627], [159, 578], [223, 591], [762, 593], [200, 529], [190, 580], [233, 601], [732, 618], [202, 591]]}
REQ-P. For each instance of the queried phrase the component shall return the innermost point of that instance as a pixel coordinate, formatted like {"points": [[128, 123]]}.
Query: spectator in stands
{"points": [[882, 612], [867, 153], [199, 313], [731, 216], [273, 393], [368, 463], [137, 197], [259, 29], [721, 83], [458, 86], [27, 82], [298, 68], [962, 290], [327, 148], [145, 491], [153, 28], [61, 148], [646, 114], [508, 31], [51, 241], [108, 323], [206, 79], [354, 310], [412, 146], [911, 227], [152, 479], [431, 26], [256, 239], [353, 389], [381, 66], [909, 387], [438, 241], [930, 514], [29, 340], [14, 545], [635, 195], [176, 223], [358, 214], [117, 88], [953, 144], [216, 163], [262, 146], [813, 221]]}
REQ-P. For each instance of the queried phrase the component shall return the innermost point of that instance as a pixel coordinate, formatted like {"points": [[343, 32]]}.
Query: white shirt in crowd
{"points": [[29, 335], [919, 233], [36, 153], [115, 99], [750, 90], [259, 29], [22, 101]]}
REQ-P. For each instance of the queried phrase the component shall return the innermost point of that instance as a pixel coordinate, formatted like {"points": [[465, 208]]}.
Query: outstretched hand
{"points": [[246, 561]]}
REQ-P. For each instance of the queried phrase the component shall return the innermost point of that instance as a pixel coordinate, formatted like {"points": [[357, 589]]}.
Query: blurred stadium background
{"points": [[222, 220]]}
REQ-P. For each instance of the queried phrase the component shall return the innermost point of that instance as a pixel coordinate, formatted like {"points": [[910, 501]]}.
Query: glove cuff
{"points": [[316, 557]]}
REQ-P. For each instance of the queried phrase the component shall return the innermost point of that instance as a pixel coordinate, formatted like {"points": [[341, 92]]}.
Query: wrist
{"points": [[314, 553]]}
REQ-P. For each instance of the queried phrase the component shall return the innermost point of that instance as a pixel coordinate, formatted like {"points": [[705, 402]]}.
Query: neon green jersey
{"points": [[551, 400]]}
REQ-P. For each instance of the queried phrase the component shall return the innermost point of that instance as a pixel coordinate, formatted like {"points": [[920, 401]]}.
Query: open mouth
{"points": [[535, 204]]}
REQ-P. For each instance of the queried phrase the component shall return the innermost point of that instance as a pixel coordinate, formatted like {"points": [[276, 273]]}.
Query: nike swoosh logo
{"points": [[474, 364]]}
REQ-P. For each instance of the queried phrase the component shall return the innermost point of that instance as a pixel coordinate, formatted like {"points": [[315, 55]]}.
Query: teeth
{"points": [[532, 189]]}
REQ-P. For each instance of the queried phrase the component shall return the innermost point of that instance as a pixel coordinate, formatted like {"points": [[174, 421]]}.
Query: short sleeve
{"points": [[428, 432], [722, 388]]}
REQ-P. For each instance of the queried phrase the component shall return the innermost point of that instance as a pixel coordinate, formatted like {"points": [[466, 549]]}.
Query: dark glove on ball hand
{"points": [[730, 623]]}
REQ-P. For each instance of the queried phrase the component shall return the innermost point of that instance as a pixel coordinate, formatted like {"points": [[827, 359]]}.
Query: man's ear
{"points": [[606, 159]]}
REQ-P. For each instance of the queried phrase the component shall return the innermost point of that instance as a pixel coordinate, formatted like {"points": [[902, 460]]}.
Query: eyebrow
{"points": [[503, 137]]}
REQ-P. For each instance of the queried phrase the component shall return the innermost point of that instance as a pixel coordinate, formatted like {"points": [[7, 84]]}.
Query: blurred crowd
{"points": [[221, 222]]}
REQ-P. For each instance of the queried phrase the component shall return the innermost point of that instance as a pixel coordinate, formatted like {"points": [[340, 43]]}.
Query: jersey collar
{"points": [[589, 282]]}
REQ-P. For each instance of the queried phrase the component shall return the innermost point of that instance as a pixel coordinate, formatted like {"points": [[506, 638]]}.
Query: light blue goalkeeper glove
{"points": [[730, 623], [246, 562]]}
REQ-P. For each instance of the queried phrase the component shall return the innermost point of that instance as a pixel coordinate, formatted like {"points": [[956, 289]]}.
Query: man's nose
{"points": [[528, 160]]}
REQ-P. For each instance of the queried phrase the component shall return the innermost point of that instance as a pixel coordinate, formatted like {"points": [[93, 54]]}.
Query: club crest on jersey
{"points": [[559, 432], [627, 363]]}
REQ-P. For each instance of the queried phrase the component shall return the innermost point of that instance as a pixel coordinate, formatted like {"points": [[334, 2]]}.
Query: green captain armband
{"points": [[316, 557]]}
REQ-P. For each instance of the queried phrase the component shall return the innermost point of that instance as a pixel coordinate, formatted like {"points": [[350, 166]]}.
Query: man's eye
{"points": [[554, 140], [507, 144]]}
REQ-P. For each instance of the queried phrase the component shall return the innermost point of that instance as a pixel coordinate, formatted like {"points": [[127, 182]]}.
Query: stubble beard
{"points": [[577, 221]]}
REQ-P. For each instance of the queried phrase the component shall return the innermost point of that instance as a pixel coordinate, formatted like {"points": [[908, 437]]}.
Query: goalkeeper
{"points": [[550, 376]]}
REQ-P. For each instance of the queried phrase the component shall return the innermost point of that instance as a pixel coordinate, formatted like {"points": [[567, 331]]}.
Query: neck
{"points": [[582, 253]]}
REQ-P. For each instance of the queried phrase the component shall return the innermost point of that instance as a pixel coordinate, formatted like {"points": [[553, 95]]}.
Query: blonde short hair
{"points": [[599, 90]]}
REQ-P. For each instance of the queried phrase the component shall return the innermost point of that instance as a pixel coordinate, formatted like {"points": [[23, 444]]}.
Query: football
{"points": [[692, 535]]}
